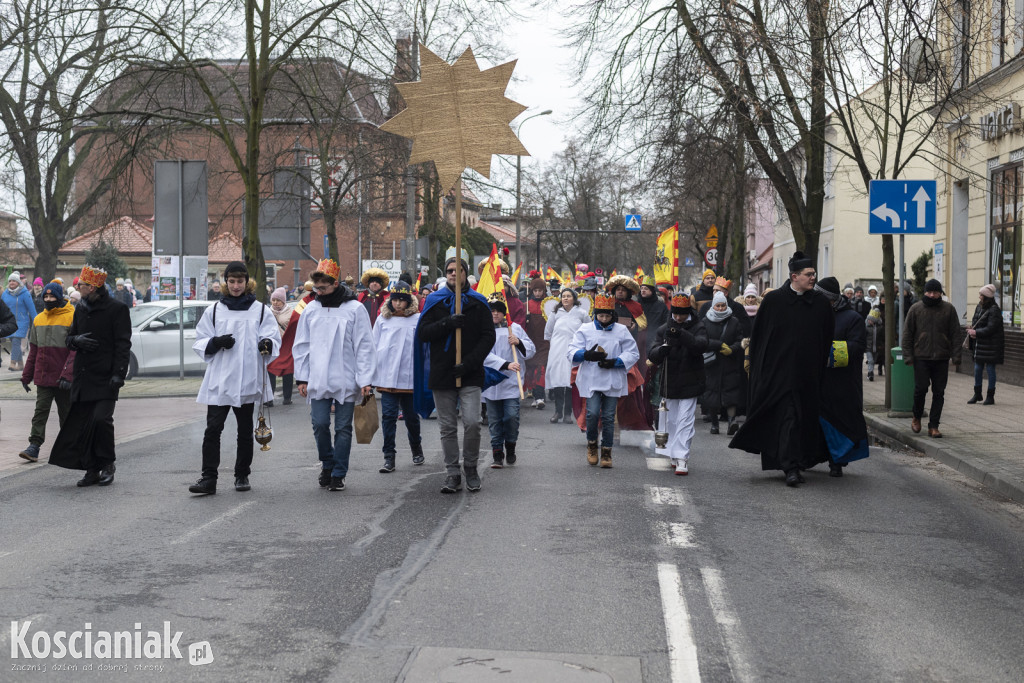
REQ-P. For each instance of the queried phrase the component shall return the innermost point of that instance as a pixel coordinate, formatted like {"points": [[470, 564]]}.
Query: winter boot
{"points": [[871, 376], [555, 418], [510, 452], [206, 485], [714, 425], [606, 457], [733, 426], [31, 453], [389, 464], [990, 397], [977, 395], [417, 454], [499, 457], [472, 478], [592, 452]]}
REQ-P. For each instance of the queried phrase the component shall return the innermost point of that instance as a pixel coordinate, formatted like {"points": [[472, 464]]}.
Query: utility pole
{"points": [[519, 184], [411, 262]]}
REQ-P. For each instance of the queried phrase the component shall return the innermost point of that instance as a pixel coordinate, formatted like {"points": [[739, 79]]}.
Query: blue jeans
{"points": [[601, 407], [390, 404], [979, 368], [503, 421], [334, 456]]}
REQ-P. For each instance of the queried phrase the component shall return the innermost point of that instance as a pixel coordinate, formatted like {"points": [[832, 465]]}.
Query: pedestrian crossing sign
{"points": [[633, 222]]}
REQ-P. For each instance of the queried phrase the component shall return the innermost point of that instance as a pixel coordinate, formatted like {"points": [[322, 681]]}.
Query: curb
{"points": [[969, 466]]}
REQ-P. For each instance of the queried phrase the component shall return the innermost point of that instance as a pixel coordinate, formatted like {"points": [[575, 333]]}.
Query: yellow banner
{"points": [[666, 258]]}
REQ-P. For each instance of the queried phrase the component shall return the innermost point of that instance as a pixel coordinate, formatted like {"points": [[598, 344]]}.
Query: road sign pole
{"points": [[899, 294]]}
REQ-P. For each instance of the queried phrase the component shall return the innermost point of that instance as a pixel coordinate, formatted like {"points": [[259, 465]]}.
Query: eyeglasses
{"points": [[450, 271], [810, 274], [321, 288]]}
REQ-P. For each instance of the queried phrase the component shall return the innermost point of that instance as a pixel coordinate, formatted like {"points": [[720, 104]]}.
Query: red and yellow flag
{"points": [[419, 277], [552, 274], [639, 273], [666, 257], [614, 273], [490, 278], [515, 275]]}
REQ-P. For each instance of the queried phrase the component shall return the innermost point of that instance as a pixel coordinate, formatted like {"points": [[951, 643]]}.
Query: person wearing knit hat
{"points": [[536, 320], [738, 310], [450, 381], [237, 337], [37, 294], [502, 399], [986, 342], [19, 301], [284, 365], [678, 350], [47, 366], [654, 308], [750, 300], [101, 337], [703, 292], [334, 366], [604, 352], [842, 388], [394, 338], [723, 394], [789, 349], [122, 294], [930, 333]]}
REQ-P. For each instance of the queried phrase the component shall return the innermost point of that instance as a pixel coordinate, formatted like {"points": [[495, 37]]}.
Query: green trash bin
{"points": [[902, 378]]}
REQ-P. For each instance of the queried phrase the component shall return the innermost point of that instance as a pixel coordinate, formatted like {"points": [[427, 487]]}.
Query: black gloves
{"points": [[594, 355], [224, 341], [457, 320], [265, 346], [82, 342], [116, 382], [459, 369], [63, 384], [607, 363], [28, 389]]}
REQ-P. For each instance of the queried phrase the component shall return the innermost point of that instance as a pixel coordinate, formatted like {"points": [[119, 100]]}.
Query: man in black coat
{"points": [[842, 392], [437, 327], [101, 334], [789, 349], [931, 335], [679, 348]]}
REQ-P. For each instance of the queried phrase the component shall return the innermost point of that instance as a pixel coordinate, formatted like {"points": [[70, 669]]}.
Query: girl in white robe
{"points": [[502, 400], [394, 337], [559, 330]]}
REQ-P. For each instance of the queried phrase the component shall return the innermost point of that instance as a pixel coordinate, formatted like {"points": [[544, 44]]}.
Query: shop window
{"points": [[1004, 239]]}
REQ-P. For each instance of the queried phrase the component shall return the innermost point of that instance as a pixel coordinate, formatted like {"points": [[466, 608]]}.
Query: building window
{"points": [[961, 43], [1004, 239]]}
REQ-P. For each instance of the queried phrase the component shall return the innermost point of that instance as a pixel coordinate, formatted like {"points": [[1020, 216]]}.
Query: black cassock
{"points": [[789, 349]]}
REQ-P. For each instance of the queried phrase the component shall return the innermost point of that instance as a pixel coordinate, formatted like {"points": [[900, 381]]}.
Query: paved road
{"points": [[555, 571]]}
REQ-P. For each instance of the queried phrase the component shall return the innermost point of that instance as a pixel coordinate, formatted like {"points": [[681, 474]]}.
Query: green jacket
{"points": [[931, 333]]}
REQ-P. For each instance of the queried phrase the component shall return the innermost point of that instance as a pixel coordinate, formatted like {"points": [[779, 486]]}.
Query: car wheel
{"points": [[133, 366]]}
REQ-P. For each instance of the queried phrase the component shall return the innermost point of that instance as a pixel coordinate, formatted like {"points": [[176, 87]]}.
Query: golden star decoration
{"points": [[457, 115]]}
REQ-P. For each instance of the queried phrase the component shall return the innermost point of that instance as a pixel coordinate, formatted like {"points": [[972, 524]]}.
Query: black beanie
{"points": [[236, 268]]}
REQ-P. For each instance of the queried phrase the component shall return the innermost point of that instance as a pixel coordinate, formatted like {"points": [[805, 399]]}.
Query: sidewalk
{"points": [[981, 442]]}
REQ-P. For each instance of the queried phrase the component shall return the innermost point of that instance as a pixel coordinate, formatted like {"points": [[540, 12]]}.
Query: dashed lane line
{"points": [[682, 650], [728, 623], [666, 495], [675, 534], [189, 535]]}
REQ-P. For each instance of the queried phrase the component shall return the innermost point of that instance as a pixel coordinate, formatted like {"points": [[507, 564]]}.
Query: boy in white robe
{"points": [[237, 337], [394, 338], [334, 366], [502, 400], [604, 351]]}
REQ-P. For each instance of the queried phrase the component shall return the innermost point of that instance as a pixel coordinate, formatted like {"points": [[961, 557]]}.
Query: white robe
{"points": [[394, 337], [559, 330], [238, 375], [617, 343], [500, 354], [333, 351]]}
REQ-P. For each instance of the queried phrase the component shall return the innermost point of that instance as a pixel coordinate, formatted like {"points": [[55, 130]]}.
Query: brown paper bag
{"points": [[364, 420]]}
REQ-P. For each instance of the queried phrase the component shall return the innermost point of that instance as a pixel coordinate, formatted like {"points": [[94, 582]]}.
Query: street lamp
{"points": [[519, 182]]}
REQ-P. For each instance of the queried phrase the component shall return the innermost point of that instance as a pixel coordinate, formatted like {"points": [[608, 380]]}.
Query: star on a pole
{"points": [[457, 115]]}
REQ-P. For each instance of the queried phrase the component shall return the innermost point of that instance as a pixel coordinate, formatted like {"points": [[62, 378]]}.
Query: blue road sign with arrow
{"points": [[901, 207]]}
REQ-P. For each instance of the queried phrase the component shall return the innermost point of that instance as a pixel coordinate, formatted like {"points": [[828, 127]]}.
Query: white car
{"points": [[155, 337]]}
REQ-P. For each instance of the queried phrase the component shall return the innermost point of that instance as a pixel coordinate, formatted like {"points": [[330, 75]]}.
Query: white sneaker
{"points": [[539, 404], [681, 468]]}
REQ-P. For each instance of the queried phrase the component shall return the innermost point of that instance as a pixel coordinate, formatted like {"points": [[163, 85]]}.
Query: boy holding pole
{"points": [[503, 400]]}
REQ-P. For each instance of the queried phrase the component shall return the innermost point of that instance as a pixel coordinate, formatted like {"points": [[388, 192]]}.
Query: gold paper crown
{"points": [[648, 281], [378, 273], [604, 302], [327, 268], [92, 276], [723, 283], [402, 288], [680, 300]]}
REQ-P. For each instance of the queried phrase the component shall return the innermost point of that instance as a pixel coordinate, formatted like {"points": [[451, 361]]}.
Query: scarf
{"points": [[335, 298], [238, 303], [719, 316]]}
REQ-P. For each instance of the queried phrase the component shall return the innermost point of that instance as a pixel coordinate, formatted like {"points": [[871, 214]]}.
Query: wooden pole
{"points": [[458, 272], [515, 352]]}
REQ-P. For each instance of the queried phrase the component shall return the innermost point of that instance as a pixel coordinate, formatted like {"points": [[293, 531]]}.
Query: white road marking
{"points": [[675, 534], [660, 464], [199, 529], [682, 650], [728, 623], [666, 495]]}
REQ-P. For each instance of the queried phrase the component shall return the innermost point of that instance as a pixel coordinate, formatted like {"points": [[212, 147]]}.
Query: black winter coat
{"points": [[656, 313], [861, 307], [477, 341], [987, 346], [724, 374], [739, 313], [682, 345], [108, 322]]}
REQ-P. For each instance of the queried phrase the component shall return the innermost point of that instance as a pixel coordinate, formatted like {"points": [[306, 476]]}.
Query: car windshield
{"points": [[141, 314]]}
